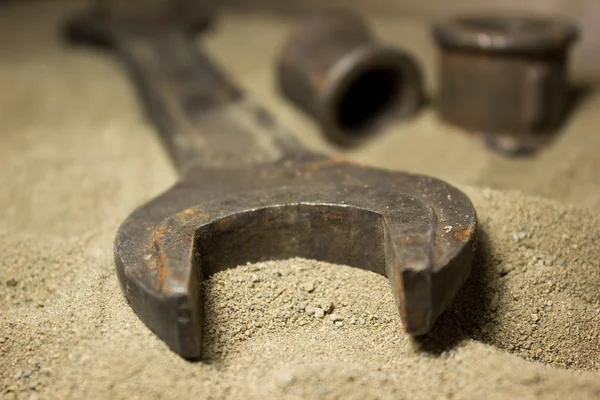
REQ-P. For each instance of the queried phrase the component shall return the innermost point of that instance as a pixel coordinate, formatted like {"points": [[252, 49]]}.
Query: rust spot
{"points": [[191, 214], [462, 235], [162, 268], [161, 260], [202, 215], [159, 234], [227, 223]]}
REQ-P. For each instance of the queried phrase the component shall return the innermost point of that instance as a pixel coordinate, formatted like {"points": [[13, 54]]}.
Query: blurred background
{"points": [[584, 12]]}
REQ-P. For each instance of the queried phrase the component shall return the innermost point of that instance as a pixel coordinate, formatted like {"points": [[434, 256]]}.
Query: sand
{"points": [[526, 324], [77, 158]]}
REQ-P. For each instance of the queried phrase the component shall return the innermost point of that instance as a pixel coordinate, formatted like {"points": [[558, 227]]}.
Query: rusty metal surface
{"points": [[249, 192], [334, 70], [505, 77]]}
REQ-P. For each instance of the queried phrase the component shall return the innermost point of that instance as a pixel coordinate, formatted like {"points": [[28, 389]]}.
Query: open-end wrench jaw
{"points": [[418, 231]]}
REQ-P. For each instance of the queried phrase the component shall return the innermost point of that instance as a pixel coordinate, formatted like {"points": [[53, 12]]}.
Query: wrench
{"points": [[250, 192]]}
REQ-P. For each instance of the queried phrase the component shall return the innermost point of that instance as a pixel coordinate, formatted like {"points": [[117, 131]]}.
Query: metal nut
{"points": [[505, 77], [335, 71]]}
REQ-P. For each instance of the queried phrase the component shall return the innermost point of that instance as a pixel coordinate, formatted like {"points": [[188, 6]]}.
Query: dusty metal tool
{"points": [[505, 77], [249, 192], [333, 69]]}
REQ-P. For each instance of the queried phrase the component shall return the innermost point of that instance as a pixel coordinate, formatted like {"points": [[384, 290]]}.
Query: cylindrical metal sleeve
{"points": [[334, 70]]}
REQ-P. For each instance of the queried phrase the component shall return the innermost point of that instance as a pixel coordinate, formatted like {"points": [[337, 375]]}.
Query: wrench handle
{"points": [[203, 118]]}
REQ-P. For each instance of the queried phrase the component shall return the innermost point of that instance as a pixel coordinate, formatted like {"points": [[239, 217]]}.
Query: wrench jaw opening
{"points": [[166, 248]]}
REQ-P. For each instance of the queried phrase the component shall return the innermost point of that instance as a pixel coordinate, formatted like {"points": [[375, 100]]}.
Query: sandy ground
{"points": [[77, 158]]}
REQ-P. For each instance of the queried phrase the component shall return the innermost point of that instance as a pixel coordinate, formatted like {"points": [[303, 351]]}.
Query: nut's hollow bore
{"points": [[333, 70], [505, 77]]}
